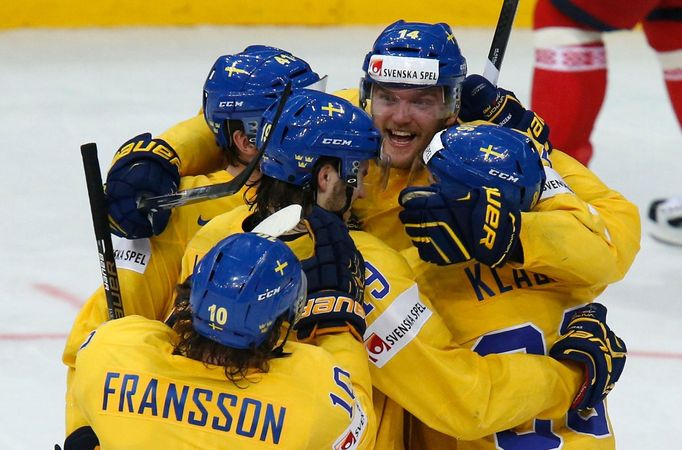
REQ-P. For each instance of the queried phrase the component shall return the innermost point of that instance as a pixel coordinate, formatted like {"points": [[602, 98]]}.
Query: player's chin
{"points": [[403, 153]]}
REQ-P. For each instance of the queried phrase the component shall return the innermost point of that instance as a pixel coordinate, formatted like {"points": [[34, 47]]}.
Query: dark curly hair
{"points": [[236, 362], [271, 194]]}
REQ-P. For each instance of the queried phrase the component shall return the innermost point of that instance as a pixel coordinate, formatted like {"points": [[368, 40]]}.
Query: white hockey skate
{"points": [[665, 217]]}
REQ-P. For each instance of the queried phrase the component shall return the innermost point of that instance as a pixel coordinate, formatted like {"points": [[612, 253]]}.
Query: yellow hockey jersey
{"points": [[148, 271], [589, 239], [574, 246], [136, 394], [196, 146], [415, 363]]}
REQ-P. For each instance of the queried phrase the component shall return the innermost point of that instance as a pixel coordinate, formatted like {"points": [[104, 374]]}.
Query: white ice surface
{"points": [[59, 89]]}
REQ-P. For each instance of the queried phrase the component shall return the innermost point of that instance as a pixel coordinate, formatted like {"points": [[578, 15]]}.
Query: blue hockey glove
{"points": [[437, 224], [481, 100], [142, 167], [453, 227], [83, 438], [588, 340], [336, 281]]}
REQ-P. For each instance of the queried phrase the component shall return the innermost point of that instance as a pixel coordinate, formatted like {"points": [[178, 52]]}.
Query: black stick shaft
{"points": [[500, 40], [200, 194], [100, 222]]}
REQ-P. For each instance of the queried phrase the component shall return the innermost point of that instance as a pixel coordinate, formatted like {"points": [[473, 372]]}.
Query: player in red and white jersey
{"points": [[571, 68]]}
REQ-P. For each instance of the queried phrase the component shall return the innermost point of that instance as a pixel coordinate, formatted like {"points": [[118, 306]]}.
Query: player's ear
{"points": [[324, 177], [450, 121], [245, 147]]}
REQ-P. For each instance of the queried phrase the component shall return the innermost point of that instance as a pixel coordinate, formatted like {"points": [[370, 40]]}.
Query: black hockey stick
{"points": [[100, 221], [500, 40], [233, 186]]}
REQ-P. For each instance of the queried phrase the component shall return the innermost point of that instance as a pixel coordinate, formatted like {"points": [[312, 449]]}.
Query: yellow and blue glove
{"points": [[142, 167], [336, 281], [481, 100], [460, 225], [588, 340]]}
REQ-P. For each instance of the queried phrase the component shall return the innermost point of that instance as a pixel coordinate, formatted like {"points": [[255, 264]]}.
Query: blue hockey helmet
{"points": [[242, 86], [241, 286], [487, 155], [414, 55], [312, 125]]}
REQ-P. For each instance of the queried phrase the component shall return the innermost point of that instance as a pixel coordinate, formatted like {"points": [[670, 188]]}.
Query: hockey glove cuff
{"points": [[329, 312], [588, 340]]}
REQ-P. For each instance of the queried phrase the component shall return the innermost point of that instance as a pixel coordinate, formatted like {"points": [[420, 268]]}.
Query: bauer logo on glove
{"points": [[144, 143], [142, 167]]}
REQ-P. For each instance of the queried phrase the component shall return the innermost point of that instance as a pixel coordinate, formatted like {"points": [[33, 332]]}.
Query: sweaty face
{"points": [[407, 119]]}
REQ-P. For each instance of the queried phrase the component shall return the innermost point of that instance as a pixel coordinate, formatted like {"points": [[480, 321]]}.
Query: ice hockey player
{"points": [[466, 227], [570, 76], [318, 155], [225, 374], [149, 267]]}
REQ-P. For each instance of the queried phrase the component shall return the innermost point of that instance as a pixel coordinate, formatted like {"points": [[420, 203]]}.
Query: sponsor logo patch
{"points": [[132, 254], [403, 70], [351, 437], [554, 184], [396, 327]]}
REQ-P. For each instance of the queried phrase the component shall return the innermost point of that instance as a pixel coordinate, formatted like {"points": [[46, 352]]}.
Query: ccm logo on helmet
{"points": [[230, 104], [334, 141], [269, 293], [503, 175]]}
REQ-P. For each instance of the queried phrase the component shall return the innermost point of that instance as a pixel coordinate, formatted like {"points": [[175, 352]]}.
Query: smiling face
{"points": [[408, 119]]}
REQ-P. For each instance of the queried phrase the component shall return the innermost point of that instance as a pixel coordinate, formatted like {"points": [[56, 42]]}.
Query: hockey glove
{"points": [[589, 341], [450, 228], [336, 281], [83, 438], [437, 224], [481, 100], [142, 167]]}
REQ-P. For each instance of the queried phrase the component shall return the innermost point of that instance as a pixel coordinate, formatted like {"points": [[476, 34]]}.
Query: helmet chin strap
{"points": [[278, 352], [349, 200]]}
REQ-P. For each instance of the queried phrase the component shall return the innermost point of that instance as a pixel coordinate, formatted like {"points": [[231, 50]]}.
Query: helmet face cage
{"points": [[314, 125], [487, 155], [242, 86], [240, 288], [413, 55]]}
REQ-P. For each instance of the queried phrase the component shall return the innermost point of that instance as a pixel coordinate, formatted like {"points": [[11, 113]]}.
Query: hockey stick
{"points": [[500, 40], [233, 186], [280, 222], [100, 222]]}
